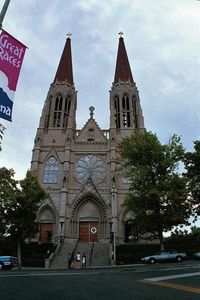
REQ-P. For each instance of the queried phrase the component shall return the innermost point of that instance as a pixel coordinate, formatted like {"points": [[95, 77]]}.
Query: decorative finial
{"points": [[121, 34], [91, 108], [69, 35]]}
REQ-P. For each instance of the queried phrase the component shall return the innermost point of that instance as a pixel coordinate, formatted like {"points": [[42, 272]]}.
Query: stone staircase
{"points": [[85, 248], [61, 258], [98, 256]]}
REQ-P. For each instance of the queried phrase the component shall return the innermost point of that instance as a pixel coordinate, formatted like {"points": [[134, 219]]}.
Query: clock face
{"points": [[90, 166]]}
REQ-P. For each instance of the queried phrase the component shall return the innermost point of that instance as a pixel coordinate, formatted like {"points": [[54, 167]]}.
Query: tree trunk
{"points": [[160, 236], [19, 255]]}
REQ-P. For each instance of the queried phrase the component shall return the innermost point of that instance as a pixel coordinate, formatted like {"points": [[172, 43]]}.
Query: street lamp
{"points": [[61, 231], [113, 239], [114, 216]]}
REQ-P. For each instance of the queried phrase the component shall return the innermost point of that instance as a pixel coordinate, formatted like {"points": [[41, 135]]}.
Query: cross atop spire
{"points": [[69, 35], [122, 70]]}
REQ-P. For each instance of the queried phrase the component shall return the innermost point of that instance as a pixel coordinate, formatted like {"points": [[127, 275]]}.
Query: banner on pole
{"points": [[11, 57]]}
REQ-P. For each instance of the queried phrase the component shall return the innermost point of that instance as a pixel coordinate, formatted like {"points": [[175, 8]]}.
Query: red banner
{"points": [[11, 57]]}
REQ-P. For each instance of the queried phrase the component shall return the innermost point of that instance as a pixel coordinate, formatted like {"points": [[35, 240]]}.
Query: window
{"points": [[135, 111], [66, 111], [126, 180], [47, 120], [117, 112], [51, 170], [58, 111], [126, 111]]}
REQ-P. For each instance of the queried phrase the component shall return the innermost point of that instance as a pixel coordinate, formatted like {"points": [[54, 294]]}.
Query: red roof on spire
{"points": [[65, 71], [123, 70]]}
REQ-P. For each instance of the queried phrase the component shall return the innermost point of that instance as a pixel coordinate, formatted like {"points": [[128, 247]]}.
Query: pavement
{"points": [[169, 281]]}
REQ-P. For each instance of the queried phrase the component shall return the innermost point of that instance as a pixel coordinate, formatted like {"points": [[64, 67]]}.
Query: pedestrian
{"points": [[84, 258], [69, 260], [72, 260], [78, 260]]}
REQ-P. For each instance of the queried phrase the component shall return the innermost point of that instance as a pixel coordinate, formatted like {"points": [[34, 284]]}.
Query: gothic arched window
{"points": [[51, 170], [135, 111], [117, 111], [47, 120], [126, 111], [66, 111], [58, 111]]}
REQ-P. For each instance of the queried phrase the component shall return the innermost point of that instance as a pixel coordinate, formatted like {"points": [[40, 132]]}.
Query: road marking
{"points": [[46, 274], [158, 281], [161, 278], [173, 286]]}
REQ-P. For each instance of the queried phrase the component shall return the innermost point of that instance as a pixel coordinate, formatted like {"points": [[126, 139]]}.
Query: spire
{"points": [[123, 70], [65, 71]]}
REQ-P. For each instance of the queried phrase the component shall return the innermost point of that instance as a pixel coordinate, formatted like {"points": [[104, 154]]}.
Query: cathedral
{"points": [[78, 167]]}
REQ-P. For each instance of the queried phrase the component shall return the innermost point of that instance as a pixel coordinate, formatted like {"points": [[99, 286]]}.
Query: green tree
{"points": [[20, 207], [157, 193], [8, 190], [192, 165]]}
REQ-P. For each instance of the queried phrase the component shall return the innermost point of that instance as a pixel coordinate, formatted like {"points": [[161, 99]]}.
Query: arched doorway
{"points": [[89, 222], [89, 218], [46, 218]]}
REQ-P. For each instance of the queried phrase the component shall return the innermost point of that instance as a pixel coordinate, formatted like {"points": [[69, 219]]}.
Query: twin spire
{"points": [[65, 71], [122, 70]]}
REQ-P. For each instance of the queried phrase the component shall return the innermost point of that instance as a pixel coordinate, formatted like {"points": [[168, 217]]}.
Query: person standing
{"points": [[69, 260], [78, 260], [72, 260], [84, 258]]}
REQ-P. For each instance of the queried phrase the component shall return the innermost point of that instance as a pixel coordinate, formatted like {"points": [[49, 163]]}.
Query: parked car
{"points": [[196, 255], [8, 262], [164, 256]]}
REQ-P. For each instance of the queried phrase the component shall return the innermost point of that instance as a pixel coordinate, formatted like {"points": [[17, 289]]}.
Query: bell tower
{"points": [[59, 110], [125, 110], [58, 119], [52, 148]]}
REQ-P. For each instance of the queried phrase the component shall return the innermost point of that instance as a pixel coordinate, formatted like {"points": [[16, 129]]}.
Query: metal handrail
{"points": [[91, 253], [57, 250]]}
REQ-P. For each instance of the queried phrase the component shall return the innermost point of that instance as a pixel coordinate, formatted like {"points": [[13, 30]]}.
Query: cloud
{"points": [[163, 45]]}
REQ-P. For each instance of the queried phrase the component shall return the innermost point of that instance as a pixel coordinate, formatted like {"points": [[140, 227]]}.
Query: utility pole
{"points": [[3, 12]]}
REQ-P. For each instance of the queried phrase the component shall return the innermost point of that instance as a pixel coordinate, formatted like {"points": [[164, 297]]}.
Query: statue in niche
{"points": [[65, 181], [91, 134]]}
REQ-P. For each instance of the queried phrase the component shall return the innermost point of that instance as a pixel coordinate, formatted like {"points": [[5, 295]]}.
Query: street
{"points": [[160, 281]]}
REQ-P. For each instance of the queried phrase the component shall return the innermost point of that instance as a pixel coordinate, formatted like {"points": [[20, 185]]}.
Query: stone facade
{"points": [[77, 167]]}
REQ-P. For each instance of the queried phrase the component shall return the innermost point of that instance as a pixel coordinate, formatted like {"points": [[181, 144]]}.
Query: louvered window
{"points": [[58, 111]]}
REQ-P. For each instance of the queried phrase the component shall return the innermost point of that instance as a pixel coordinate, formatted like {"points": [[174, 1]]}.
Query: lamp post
{"points": [[114, 241], [3, 12], [114, 217], [61, 231]]}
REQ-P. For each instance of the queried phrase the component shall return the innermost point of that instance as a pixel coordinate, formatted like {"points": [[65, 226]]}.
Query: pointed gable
{"points": [[91, 133], [65, 71], [122, 70]]}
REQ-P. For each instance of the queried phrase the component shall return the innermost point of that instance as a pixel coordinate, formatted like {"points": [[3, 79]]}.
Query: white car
{"points": [[164, 256], [196, 255]]}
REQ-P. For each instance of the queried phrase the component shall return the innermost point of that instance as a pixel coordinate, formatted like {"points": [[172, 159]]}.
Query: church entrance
{"points": [[46, 232], [88, 232]]}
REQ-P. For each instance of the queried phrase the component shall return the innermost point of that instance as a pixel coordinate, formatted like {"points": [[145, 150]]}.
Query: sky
{"points": [[162, 39]]}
